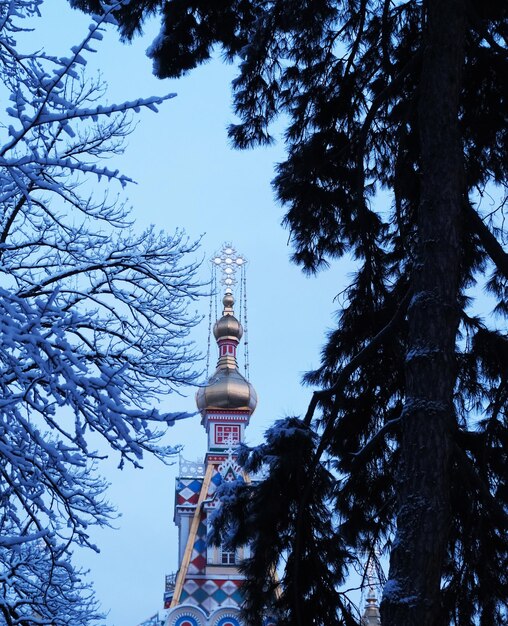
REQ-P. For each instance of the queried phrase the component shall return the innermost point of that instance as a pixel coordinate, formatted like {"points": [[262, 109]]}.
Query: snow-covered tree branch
{"points": [[94, 318]]}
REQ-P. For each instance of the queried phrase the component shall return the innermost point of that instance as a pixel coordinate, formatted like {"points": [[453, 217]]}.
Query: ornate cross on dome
{"points": [[228, 260]]}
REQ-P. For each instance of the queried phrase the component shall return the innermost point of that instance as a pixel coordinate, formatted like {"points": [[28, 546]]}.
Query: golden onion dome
{"points": [[228, 327], [227, 388]]}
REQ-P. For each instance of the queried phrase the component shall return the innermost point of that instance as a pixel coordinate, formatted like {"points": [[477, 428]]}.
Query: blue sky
{"points": [[188, 176]]}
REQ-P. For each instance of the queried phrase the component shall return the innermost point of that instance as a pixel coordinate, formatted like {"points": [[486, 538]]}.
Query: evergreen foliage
{"points": [[409, 98]]}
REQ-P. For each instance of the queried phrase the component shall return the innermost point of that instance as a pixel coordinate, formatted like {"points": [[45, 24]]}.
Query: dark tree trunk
{"points": [[412, 593]]}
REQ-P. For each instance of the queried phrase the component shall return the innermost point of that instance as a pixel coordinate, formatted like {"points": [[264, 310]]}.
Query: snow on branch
{"points": [[94, 319]]}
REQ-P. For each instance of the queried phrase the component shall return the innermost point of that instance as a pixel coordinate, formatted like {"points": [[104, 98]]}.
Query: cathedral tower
{"points": [[207, 588]]}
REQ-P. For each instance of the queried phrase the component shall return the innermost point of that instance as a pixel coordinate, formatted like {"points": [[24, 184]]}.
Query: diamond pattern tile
{"points": [[212, 594], [198, 564], [187, 491], [190, 586], [236, 598], [202, 527], [184, 597], [229, 587], [199, 595], [219, 596], [209, 605], [185, 494], [210, 587], [200, 545], [216, 479]]}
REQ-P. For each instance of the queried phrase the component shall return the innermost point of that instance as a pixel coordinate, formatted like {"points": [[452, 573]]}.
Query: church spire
{"points": [[375, 579], [227, 388], [371, 615]]}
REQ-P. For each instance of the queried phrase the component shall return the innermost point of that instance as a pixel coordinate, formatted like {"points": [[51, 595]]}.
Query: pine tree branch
{"points": [[319, 396], [385, 38], [490, 244], [495, 47], [378, 101], [364, 452], [483, 489], [482, 30], [358, 39], [357, 361]]}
